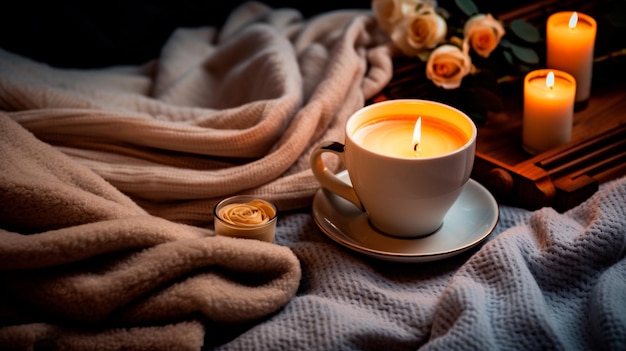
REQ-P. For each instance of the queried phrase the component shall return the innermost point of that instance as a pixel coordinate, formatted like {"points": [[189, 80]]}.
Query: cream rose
{"points": [[483, 33], [419, 31], [247, 214], [389, 13], [447, 65]]}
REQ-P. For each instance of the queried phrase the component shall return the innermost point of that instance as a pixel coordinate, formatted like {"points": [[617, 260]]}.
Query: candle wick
{"points": [[415, 146]]}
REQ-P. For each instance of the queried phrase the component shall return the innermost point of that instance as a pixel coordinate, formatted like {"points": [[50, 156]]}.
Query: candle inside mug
{"points": [[405, 190], [393, 136]]}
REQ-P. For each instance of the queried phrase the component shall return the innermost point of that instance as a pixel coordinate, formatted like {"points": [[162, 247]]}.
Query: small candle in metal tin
{"points": [[245, 216]]}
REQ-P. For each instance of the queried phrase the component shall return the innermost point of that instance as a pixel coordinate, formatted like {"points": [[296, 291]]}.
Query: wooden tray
{"points": [[562, 177], [567, 175]]}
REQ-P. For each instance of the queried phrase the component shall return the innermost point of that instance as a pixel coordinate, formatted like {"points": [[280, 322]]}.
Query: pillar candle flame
{"points": [[417, 134], [573, 20], [550, 80]]}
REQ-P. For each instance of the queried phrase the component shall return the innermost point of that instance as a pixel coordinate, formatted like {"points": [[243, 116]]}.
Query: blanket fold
{"points": [[544, 280], [221, 112], [83, 266], [549, 283]]}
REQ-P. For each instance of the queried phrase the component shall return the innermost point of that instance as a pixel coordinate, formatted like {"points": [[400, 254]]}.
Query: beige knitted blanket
{"points": [[109, 176], [84, 268], [229, 111]]}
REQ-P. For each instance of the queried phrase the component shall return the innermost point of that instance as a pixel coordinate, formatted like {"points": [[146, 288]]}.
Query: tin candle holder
{"points": [[245, 216]]}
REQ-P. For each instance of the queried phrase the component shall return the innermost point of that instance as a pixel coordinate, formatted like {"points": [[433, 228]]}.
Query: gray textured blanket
{"points": [[543, 281], [108, 178]]}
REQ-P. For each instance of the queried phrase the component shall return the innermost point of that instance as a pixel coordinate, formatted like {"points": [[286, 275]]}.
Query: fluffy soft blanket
{"points": [[83, 267], [108, 179]]}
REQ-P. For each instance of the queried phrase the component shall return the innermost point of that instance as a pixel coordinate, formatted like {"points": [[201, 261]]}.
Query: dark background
{"points": [[88, 34]]}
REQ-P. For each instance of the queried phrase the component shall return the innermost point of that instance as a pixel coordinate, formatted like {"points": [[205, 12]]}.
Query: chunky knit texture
{"points": [[543, 281], [234, 110]]}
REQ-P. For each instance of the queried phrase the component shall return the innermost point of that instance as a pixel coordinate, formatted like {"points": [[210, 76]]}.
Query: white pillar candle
{"points": [[570, 39], [548, 110]]}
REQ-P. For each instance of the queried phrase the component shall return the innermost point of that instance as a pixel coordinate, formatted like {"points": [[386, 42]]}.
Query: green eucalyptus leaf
{"points": [[525, 55], [467, 6], [505, 43], [423, 55], [525, 31], [509, 57]]}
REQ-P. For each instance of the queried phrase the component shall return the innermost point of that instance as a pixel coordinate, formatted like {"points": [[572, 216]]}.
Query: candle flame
{"points": [[417, 134], [573, 20], [550, 80]]}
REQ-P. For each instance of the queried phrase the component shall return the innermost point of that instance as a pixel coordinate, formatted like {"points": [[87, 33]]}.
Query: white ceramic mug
{"points": [[406, 189]]}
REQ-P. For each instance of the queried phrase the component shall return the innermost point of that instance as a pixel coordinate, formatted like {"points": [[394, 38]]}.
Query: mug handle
{"points": [[326, 178]]}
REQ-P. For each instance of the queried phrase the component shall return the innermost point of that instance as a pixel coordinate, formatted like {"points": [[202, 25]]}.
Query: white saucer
{"points": [[470, 221]]}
